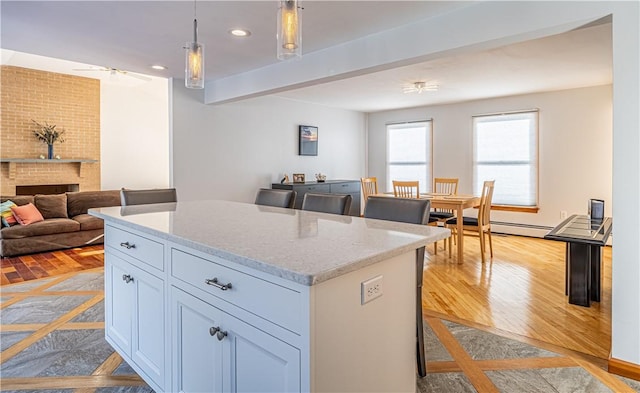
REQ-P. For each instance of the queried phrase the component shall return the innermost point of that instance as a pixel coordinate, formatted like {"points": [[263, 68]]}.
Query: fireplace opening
{"points": [[47, 189]]}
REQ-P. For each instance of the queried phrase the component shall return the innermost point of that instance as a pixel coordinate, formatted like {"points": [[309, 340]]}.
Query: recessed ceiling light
{"points": [[240, 32], [158, 67]]}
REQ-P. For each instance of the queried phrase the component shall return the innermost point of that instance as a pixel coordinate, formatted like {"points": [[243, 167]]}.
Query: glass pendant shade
{"points": [[289, 30], [194, 70]]}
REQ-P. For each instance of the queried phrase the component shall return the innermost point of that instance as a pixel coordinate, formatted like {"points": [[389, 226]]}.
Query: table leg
{"points": [[460, 234], [595, 273], [566, 269], [580, 274]]}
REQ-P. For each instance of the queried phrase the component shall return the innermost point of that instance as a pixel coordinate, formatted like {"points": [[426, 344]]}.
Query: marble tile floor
{"points": [[52, 340]]}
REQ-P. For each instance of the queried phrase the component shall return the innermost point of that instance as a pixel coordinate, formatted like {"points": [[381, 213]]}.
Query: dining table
{"points": [[454, 202]]}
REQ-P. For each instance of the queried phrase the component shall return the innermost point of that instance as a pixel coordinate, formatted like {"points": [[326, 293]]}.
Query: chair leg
{"points": [[490, 243], [481, 233]]}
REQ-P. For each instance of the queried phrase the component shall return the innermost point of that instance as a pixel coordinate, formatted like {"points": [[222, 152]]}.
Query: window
{"points": [[409, 153], [505, 149]]}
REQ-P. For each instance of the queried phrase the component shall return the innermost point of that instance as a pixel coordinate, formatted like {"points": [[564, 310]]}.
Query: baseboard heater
{"points": [[519, 225], [514, 228]]}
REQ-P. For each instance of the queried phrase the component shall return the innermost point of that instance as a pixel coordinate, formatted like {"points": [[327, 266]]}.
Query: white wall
{"points": [[134, 133], [229, 151], [625, 318], [575, 151]]}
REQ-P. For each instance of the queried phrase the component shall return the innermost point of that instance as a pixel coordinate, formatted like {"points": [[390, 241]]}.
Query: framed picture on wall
{"points": [[308, 141]]}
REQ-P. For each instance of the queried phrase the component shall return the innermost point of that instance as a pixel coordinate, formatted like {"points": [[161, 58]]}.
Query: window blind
{"points": [[505, 149], [409, 153]]}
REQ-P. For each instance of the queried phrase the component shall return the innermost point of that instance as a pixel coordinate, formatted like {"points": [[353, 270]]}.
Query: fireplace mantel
{"points": [[46, 161], [14, 162]]}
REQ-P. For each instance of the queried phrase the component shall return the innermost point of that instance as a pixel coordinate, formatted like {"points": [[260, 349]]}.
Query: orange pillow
{"points": [[26, 214]]}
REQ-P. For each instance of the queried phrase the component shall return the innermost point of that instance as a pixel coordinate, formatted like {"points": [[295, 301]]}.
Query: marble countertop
{"points": [[304, 247]]}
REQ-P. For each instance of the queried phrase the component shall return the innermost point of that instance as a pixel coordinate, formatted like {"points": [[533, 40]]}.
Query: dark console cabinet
{"points": [[351, 187]]}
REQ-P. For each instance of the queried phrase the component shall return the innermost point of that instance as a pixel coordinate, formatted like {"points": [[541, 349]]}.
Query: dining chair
{"points": [[143, 197], [369, 187], [406, 189], [481, 224], [277, 198], [412, 211], [327, 203], [443, 185]]}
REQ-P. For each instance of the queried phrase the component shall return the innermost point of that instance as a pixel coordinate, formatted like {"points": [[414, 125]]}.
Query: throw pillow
{"points": [[6, 214], [52, 206], [27, 214]]}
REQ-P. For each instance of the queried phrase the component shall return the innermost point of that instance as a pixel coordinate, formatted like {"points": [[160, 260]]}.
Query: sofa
{"points": [[66, 222]]}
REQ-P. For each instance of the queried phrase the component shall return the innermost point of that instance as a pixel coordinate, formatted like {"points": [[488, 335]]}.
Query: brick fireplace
{"points": [[47, 189], [71, 103]]}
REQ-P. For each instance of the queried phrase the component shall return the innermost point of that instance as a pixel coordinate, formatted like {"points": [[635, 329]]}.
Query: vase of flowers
{"points": [[48, 134]]}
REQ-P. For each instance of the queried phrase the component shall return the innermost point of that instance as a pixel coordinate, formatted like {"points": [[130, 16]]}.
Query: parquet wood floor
{"points": [[31, 267], [53, 354], [520, 291]]}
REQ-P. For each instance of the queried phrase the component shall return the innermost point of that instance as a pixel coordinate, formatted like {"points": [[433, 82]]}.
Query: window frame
{"points": [[535, 160], [425, 184]]}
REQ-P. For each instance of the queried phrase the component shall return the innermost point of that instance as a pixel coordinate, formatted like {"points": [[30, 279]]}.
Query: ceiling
{"points": [[133, 35]]}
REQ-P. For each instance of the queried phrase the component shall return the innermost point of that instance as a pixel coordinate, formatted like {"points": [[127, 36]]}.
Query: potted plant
{"points": [[48, 134]]}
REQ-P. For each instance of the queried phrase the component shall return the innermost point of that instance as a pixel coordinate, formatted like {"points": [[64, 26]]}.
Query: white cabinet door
{"points": [[148, 329], [134, 300], [197, 355], [118, 303], [216, 352], [258, 362]]}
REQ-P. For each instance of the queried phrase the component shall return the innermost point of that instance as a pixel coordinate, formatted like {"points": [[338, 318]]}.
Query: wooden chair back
{"points": [[406, 189], [484, 213], [445, 185], [369, 187]]}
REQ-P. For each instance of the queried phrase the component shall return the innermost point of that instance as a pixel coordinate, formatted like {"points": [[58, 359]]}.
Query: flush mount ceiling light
{"points": [[158, 67], [289, 30], [419, 87], [114, 73], [240, 32], [194, 68]]}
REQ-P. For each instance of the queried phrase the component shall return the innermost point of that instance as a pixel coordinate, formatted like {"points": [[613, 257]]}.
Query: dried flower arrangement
{"points": [[47, 133]]}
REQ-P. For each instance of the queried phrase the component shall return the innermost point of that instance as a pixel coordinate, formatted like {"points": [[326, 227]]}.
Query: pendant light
{"points": [[289, 30], [194, 66]]}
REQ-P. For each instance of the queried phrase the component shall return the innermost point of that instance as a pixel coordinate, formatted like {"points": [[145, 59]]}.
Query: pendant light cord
{"points": [[195, 23]]}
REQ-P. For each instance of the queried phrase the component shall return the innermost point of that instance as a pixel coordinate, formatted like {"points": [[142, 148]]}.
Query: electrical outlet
{"points": [[370, 289], [563, 214]]}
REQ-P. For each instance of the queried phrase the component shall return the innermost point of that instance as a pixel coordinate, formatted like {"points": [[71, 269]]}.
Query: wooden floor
{"points": [[520, 291], [31, 267]]}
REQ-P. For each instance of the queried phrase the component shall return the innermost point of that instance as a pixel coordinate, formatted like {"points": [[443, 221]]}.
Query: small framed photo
{"points": [[308, 141], [298, 177]]}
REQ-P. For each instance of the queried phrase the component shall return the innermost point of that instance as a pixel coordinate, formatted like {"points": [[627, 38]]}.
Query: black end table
{"points": [[584, 237]]}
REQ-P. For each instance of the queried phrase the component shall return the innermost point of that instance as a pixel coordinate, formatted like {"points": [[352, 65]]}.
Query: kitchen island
{"points": [[225, 296]]}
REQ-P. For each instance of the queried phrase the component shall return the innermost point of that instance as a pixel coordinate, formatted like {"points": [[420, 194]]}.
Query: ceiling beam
{"points": [[481, 26]]}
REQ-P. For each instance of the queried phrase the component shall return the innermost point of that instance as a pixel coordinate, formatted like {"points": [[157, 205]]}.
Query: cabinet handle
{"points": [[127, 278], [214, 283], [215, 331], [127, 245]]}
